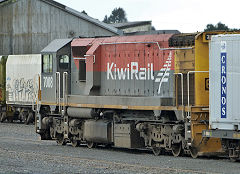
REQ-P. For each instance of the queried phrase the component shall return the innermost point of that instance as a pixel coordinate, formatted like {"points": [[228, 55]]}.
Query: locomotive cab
{"points": [[55, 82], [56, 67]]}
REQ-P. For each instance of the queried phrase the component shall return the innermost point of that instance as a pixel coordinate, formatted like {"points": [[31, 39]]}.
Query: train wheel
{"points": [[177, 149], [108, 146], [22, 116], [29, 118], [157, 151], [91, 144], [2, 117], [233, 159], [75, 143], [232, 155], [26, 119], [61, 141], [10, 119], [194, 152]]}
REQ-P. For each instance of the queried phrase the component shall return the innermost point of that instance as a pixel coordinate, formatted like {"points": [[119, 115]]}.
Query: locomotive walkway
{"points": [[21, 151]]}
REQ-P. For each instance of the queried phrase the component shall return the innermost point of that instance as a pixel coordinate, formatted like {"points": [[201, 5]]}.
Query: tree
{"points": [[153, 28], [118, 16], [105, 20], [218, 27]]}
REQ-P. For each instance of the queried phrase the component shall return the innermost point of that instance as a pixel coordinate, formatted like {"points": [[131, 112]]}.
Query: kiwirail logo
{"points": [[133, 71]]}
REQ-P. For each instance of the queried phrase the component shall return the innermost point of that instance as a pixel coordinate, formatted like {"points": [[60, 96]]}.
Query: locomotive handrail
{"points": [[188, 86], [147, 43], [37, 111], [131, 43], [182, 91], [65, 89], [84, 58], [80, 58], [94, 57], [58, 92], [56, 87]]}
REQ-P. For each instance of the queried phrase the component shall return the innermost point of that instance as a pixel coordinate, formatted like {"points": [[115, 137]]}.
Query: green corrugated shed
{"points": [[28, 26]]}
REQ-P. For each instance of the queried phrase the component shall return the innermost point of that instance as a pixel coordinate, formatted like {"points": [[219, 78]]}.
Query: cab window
{"points": [[79, 54], [47, 63], [63, 61], [82, 70]]}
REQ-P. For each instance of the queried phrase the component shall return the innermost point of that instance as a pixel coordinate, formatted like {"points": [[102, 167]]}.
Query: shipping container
{"points": [[22, 83], [224, 69]]}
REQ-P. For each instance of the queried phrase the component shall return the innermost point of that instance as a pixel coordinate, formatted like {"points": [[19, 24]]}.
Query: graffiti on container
{"points": [[22, 90]]}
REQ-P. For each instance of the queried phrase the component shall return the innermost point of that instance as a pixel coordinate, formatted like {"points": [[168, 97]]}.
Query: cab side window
{"points": [[79, 54], [82, 70], [47, 63]]}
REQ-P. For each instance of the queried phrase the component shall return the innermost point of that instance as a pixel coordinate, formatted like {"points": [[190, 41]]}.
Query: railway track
{"points": [[22, 151], [86, 162]]}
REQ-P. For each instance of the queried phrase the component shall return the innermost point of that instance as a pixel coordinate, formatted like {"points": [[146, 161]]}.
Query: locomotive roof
{"points": [[121, 39], [55, 45]]}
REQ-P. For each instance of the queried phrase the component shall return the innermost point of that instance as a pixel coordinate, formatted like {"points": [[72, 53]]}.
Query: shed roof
{"points": [[75, 13], [154, 32], [55, 45], [130, 24]]}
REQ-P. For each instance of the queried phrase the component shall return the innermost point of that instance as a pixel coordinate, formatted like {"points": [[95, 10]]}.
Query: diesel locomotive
{"points": [[148, 91]]}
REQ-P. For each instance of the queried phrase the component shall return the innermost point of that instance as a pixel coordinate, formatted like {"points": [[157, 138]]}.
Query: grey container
{"points": [[224, 79]]}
